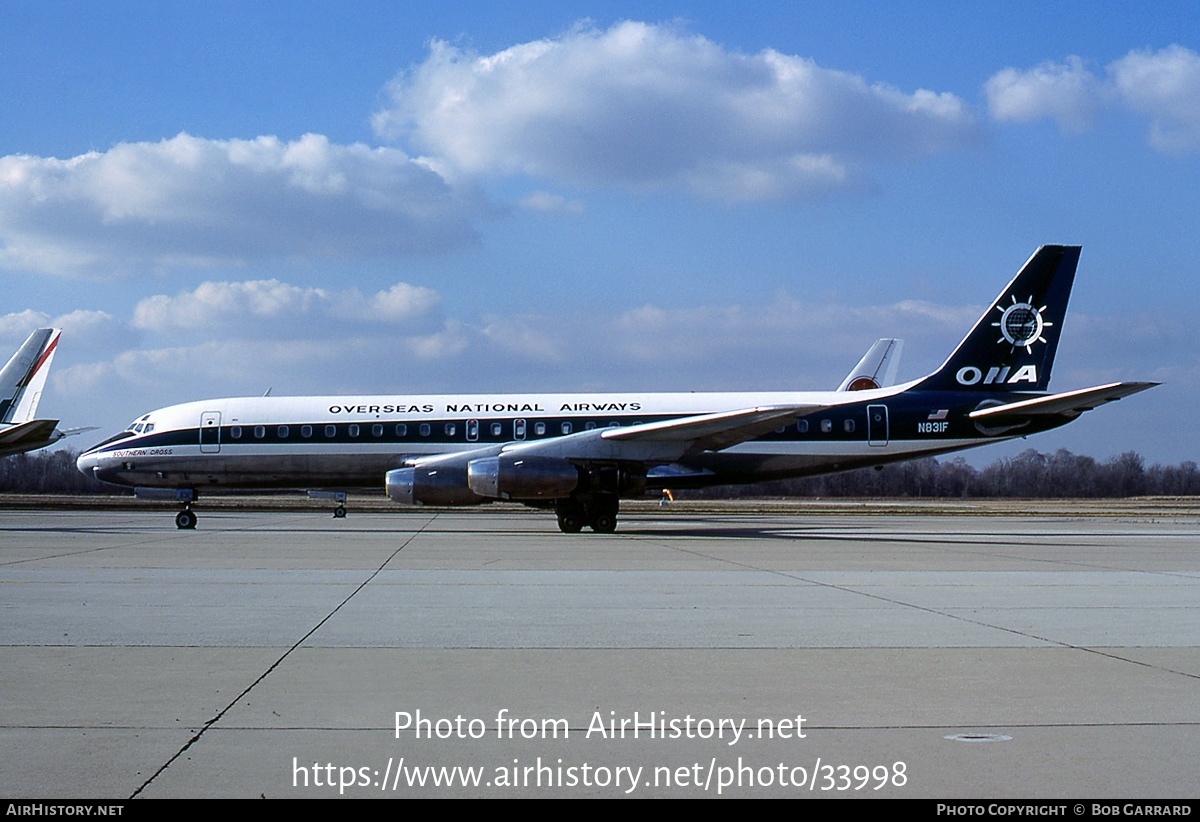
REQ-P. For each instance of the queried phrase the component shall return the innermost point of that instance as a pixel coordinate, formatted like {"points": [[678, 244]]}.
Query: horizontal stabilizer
{"points": [[29, 432], [1067, 404]]}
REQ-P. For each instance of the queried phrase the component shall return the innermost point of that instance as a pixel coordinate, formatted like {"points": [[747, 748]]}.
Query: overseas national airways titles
{"points": [[504, 407]]}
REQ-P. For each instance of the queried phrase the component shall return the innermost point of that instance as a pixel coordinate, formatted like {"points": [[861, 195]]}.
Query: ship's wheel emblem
{"points": [[1021, 324]]}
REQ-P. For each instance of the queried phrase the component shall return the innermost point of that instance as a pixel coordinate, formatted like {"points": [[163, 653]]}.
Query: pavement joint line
{"points": [[204, 728], [926, 609]]}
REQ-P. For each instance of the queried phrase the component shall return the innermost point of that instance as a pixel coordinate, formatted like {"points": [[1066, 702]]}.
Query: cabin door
{"points": [[877, 425], [210, 432]]}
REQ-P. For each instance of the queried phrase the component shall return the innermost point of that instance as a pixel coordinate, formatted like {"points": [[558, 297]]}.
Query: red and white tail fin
{"points": [[24, 377]]}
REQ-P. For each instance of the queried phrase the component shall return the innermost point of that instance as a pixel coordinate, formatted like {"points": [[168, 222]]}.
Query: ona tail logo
{"points": [[1021, 324], [996, 375]]}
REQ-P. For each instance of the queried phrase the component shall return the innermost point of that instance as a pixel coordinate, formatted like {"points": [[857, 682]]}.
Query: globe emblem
{"points": [[1021, 324]]}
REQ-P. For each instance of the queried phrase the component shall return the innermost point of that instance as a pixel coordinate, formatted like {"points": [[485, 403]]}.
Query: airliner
{"points": [[21, 382], [580, 454]]}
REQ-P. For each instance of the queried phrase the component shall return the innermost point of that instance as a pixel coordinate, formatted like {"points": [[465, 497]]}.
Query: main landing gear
{"points": [[599, 513]]}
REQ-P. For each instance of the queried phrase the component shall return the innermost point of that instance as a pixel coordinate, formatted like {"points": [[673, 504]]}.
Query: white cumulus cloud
{"points": [[1162, 85], [648, 107], [1064, 92], [192, 201], [259, 307], [1165, 86], [15, 327]]}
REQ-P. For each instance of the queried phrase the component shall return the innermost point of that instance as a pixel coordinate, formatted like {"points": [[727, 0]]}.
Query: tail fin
{"points": [[877, 368], [22, 379], [1012, 346]]}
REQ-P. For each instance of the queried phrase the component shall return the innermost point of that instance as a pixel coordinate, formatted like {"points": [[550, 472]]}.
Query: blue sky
{"points": [[216, 198]]}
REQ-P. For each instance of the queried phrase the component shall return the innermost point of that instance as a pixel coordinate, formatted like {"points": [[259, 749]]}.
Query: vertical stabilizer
{"points": [[1012, 346], [877, 368], [24, 377]]}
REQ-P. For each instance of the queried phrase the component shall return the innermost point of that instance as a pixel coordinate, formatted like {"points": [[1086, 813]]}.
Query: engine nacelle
{"points": [[517, 477], [431, 486]]}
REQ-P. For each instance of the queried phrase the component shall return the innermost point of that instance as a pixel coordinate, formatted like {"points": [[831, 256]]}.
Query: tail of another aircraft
{"points": [[1012, 346], [24, 377], [877, 368]]}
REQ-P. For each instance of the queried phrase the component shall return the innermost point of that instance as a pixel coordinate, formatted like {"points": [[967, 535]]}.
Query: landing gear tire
{"points": [[185, 520], [598, 513], [339, 512], [604, 523], [570, 523], [602, 514], [572, 516]]}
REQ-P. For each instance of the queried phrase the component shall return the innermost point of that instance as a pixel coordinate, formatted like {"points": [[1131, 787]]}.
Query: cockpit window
{"points": [[140, 425]]}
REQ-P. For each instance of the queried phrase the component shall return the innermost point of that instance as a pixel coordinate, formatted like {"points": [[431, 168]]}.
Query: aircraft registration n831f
{"points": [[581, 453]]}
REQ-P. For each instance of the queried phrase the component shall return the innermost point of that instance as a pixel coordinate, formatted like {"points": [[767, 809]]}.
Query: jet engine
{"points": [[524, 478], [431, 486]]}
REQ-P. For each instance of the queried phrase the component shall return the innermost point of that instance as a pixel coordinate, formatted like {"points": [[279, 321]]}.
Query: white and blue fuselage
{"points": [[340, 441]]}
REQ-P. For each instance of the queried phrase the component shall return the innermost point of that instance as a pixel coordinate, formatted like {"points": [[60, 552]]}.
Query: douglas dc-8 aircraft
{"points": [[580, 453]]}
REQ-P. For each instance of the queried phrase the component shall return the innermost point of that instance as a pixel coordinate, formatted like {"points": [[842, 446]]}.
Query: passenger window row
{"points": [[400, 430], [450, 429]]}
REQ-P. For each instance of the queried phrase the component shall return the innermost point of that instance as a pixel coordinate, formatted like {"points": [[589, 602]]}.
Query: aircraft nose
{"points": [[86, 462]]}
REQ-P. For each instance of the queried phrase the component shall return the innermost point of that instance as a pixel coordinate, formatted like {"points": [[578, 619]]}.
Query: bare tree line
{"points": [[48, 472], [1029, 474]]}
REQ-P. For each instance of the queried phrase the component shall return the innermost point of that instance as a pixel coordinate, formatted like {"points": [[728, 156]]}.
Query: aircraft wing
{"points": [[669, 440], [659, 442], [713, 432], [1067, 404]]}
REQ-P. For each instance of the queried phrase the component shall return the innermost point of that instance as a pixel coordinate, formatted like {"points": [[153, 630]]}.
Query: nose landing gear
{"points": [[185, 520], [337, 496]]}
